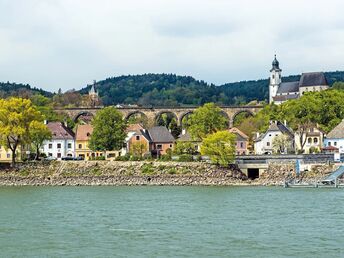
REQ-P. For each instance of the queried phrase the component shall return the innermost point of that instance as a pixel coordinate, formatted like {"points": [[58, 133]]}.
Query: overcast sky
{"points": [[68, 43]]}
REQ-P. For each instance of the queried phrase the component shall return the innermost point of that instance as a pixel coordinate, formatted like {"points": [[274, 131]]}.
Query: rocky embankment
{"points": [[148, 173], [121, 173]]}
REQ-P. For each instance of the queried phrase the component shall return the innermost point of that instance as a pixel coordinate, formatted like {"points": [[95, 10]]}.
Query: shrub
{"points": [[122, 158], [98, 158], [185, 158], [147, 169], [135, 158], [165, 158]]}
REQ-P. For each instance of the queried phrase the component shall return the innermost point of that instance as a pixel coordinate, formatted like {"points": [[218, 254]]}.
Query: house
{"points": [[83, 135], [186, 137], [62, 143], [161, 140], [138, 141], [312, 140], [280, 92], [263, 144], [6, 154], [241, 142], [334, 140]]}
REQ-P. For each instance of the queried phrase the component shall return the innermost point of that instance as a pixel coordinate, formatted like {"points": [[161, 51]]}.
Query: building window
{"points": [[171, 145], [50, 145], [335, 143], [69, 145], [315, 140], [273, 76], [59, 155], [8, 155], [241, 145], [159, 147], [59, 145], [268, 144], [137, 137], [50, 154], [80, 146], [309, 140], [329, 143]]}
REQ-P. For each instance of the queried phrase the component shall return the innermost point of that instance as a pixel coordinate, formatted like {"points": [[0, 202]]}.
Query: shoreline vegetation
{"points": [[142, 173]]}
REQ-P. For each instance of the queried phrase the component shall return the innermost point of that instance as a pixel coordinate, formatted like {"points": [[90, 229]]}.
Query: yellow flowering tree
{"points": [[220, 147], [16, 117]]}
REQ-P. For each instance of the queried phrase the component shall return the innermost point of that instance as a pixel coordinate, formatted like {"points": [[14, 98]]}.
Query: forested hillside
{"points": [[173, 90], [161, 90], [20, 90]]}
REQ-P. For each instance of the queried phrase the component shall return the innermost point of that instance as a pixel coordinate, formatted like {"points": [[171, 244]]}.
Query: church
{"points": [[280, 92]]}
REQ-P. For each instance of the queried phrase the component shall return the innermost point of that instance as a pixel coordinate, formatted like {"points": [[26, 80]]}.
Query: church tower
{"points": [[275, 79], [93, 95]]}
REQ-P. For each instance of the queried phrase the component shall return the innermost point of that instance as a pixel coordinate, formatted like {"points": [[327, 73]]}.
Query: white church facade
{"points": [[280, 92]]}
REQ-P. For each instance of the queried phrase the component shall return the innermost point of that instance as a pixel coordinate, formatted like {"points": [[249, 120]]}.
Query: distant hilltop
{"points": [[168, 90]]}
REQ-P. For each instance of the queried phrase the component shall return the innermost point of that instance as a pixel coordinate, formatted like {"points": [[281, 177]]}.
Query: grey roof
{"points": [[276, 126], [160, 134], [287, 87], [59, 131], [337, 132], [313, 79], [275, 65], [285, 97]]}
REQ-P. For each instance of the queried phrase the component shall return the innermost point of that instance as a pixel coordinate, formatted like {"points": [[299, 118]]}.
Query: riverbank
{"points": [[116, 173]]}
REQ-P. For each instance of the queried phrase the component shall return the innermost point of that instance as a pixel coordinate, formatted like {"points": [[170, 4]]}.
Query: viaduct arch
{"points": [[152, 113]]}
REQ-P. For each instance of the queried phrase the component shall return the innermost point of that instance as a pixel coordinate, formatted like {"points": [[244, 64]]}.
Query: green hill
{"points": [[8, 89], [165, 90], [173, 90]]}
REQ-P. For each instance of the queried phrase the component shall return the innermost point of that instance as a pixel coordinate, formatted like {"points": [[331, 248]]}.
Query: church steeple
{"points": [[275, 79], [275, 65], [93, 95]]}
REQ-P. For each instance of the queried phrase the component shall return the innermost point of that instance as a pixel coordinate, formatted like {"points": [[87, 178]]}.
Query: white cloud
{"points": [[68, 43]]}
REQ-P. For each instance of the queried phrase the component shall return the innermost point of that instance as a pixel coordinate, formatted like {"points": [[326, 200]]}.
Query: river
{"points": [[171, 222]]}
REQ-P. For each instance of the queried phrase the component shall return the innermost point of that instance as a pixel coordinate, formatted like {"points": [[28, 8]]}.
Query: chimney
{"points": [[183, 131], [45, 122], [257, 134], [285, 123]]}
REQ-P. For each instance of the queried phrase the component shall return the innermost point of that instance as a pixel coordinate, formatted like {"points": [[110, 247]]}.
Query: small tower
{"points": [[275, 79], [93, 95]]}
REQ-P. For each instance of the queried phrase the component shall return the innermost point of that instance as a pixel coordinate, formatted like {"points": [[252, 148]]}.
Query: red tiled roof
{"points": [[83, 132]]}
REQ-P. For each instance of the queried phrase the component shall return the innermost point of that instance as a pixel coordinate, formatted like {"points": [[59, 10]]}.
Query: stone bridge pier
{"points": [[152, 114]]}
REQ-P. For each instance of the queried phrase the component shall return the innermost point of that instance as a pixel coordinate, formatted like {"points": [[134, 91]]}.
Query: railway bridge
{"points": [[152, 114]]}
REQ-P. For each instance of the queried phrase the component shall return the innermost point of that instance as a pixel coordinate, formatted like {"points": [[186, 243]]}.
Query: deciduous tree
{"points": [[206, 120], [16, 116], [220, 147], [109, 130]]}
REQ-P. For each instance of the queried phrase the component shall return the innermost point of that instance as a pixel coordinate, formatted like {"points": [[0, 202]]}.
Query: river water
{"points": [[171, 222]]}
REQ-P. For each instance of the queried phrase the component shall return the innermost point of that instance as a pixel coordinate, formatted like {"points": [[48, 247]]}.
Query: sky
{"points": [[67, 44]]}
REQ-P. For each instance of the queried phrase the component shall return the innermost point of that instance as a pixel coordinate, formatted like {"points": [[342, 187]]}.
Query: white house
{"points": [[263, 143], [62, 143], [334, 141]]}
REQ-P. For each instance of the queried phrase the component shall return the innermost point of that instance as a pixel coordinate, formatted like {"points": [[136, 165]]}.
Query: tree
{"points": [[281, 144], [220, 147], [39, 132], [109, 130], [138, 149], [16, 116], [206, 120], [185, 148]]}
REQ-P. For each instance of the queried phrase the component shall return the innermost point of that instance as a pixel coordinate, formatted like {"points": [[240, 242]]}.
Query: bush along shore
{"points": [[144, 173]]}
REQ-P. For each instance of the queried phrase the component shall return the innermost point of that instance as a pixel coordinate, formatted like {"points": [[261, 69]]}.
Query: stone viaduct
{"points": [[152, 114]]}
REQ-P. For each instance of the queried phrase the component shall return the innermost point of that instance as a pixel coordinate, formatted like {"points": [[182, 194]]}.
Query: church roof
{"points": [[313, 79], [285, 97], [286, 87]]}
